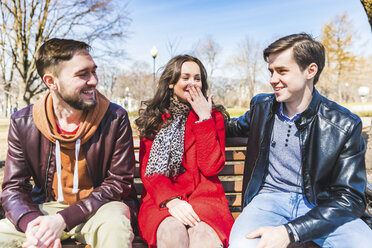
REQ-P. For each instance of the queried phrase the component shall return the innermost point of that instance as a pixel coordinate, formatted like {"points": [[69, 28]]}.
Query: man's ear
{"points": [[311, 71], [49, 80]]}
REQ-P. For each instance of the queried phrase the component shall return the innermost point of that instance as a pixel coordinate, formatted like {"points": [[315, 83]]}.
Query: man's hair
{"points": [[55, 51], [305, 51]]}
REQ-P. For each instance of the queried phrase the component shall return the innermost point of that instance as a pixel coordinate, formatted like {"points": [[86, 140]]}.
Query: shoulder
{"points": [[262, 99], [261, 102], [216, 113], [26, 112], [116, 109], [116, 112], [116, 117], [23, 118], [22, 124], [217, 116], [337, 115]]}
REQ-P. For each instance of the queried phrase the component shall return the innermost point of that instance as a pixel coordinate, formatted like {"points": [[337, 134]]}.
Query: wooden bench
{"points": [[231, 177]]}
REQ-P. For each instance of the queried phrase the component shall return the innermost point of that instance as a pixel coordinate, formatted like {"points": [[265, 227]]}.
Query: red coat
{"points": [[203, 159]]}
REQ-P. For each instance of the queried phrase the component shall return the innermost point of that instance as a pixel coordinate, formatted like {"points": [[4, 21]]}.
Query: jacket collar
{"points": [[307, 115], [310, 112]]}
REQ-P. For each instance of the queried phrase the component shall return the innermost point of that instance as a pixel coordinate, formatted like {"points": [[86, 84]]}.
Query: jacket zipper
{"points": [[302, 169], [87, 165], [47, 170], [261, 141]]}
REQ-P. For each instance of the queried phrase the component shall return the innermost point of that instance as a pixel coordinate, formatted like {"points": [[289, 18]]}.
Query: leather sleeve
{"points": [[344, 199], [238, 127], [16, 195]]}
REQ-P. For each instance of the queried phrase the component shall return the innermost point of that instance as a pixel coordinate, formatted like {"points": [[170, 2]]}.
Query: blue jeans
{"points": [[275, 209]]}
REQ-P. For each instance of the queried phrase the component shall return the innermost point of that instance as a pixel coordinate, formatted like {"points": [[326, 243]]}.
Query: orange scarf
{"points": [[44, 118]]}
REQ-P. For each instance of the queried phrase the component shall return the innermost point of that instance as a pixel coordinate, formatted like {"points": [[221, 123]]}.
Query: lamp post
{"points": [[126, 100], [363, 92], [154, 53]]}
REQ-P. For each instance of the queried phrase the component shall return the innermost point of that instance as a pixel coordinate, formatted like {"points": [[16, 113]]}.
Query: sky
{"points": [[229, 22]]}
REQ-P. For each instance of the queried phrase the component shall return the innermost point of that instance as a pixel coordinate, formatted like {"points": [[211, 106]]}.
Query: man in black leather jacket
{"points": [[304, 176]]}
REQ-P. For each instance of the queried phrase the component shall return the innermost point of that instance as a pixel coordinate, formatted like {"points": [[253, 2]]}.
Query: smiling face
{"points": [[76, 82], [190, 75], [291, 84]]}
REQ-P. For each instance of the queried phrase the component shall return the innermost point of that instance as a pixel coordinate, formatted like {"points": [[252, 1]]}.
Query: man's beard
{"points": [[77, 103]]}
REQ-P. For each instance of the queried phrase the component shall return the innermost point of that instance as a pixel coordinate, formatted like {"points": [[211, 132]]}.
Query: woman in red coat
{"points": [[182, 150]]}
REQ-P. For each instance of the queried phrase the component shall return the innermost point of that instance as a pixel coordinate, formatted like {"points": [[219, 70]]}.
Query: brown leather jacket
{"points": [[110, 161]]}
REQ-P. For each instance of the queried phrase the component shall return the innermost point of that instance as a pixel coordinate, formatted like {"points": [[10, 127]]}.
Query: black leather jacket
{"points": [[333, 166]]}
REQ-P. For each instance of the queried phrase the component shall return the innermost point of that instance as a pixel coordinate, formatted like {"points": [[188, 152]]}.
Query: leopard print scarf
{"points": [[167, 149]]}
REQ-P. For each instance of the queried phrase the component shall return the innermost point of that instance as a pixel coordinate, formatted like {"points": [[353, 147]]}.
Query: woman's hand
{"points": [[199, 104], [183, 211]]}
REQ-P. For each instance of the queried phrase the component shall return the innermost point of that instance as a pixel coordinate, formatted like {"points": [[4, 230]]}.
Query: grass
{"points": [[350, 104], [236, 112]]}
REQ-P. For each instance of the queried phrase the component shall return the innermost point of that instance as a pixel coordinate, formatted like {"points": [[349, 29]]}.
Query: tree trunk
{"points": [[367, 4]]}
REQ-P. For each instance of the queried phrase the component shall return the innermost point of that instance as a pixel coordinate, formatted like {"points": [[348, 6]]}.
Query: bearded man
{"points": [[77, 147]]}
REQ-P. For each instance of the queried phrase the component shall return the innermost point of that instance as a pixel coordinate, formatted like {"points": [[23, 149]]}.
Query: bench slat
{"points": [[229, 142], [235, 200], [228, 170], [228, 186], [231, 155]]}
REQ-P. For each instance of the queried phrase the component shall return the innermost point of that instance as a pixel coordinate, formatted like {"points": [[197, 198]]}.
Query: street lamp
{"points": [[126, 100], [154, 53], [363, 92]]}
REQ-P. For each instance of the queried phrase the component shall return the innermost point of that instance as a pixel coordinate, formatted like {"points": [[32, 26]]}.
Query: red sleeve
{"points": [[210, 144], [158, 186]]}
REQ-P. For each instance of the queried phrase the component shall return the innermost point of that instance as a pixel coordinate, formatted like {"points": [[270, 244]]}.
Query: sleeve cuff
{"points": [[297, 239], [27, 218], [205, 128], [73, 216], [203, 119], [164, 203]]}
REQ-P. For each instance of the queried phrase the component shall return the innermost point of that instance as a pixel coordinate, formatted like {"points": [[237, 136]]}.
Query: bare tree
{"points": [[249, 63], [207, 50], [26, 24], [367, 4], [135, 85], [337, 38], [172, 46], [107, 76]]}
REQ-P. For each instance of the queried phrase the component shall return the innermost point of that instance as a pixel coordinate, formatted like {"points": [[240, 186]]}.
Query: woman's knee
{"points": [[203, 234], [171, 232]]}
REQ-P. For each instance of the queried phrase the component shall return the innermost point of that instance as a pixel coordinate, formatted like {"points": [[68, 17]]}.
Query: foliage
{"points": [[341, 75], [25, 25]]}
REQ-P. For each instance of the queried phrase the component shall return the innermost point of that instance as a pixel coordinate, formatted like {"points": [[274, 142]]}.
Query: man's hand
{"points": [[271, 237], [45, 231], [183, 211]]}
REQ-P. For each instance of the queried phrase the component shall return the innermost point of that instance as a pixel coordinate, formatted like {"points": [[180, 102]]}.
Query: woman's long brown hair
{"points": [[150, 118]]}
